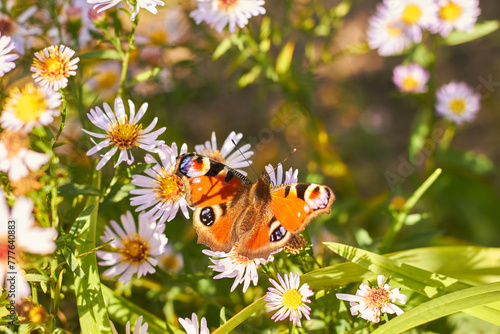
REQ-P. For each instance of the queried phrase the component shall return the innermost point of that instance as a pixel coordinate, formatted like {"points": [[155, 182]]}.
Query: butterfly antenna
{"points": [[248, 162]]}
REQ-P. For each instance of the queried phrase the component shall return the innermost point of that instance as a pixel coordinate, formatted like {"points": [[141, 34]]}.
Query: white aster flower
{"points": [[29, 107], [371, 302], [29, 238], [6, 59], [219, 13], [150, 5], [136, 251], [457, 102], [162, 191], [236, 159], [414, 15], [53, 66], [121, 132], [232, 264], [460, 15], [276, 175], [138, 329], [411, 78], [289, 299], [191, 325], [386, 33], [15, 158]]}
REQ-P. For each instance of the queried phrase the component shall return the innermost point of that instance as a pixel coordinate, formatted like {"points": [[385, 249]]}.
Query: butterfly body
{"points": [[256, 217]]}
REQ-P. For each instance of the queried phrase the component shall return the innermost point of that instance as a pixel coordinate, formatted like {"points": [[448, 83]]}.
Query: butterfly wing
{"points": [[217, 192], [295, 205], [286, 212]]}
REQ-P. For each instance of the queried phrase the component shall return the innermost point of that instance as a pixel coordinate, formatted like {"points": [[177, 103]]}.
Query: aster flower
{"points": [[161, 192], [53, 66], [413, 15], [191, 325], [122, 133], [219, 13], [6, 59], [150, 5], [29, 107], [386, 32], [135, 251], [171, 29], [232, 264], [29, 239], [289, 299], [105, 78], [371, 302], [15, 157], [411, 78], [138, 329], [460, 15], [457, 102], [236, 159]]}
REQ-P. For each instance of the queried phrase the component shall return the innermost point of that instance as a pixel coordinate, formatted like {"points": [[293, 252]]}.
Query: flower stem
{"points": [[126, 57]]}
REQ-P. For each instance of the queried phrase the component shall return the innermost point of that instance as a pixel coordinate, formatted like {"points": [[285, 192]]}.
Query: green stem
{"points": [[126, 58], [448, 136], [400, 218], [63, 118]]}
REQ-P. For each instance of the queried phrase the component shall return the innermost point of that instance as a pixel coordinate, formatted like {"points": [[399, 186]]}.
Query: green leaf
{"points": [[222, 48], [422, 55], [480, 30], [284, 59], [118, 192], [250, 76], [80, 222], [73, 189], [73, 262], [143, 76], [89, 299], [441, 307], [101, 54], [240, 317], [122, 310]]}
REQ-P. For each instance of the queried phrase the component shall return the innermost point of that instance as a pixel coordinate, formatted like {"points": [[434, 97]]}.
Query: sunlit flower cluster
{"points": [[397, 24]]}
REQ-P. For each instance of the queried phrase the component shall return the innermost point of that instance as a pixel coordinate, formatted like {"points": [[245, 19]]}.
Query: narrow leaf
{"points": [[480, 30]]}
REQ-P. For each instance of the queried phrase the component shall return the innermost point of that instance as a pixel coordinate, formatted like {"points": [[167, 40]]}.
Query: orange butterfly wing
{"points": [[214, 189]]}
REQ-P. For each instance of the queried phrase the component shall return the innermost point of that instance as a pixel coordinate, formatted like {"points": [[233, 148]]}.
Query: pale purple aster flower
{"points": [[138, 329], [289, 299], [457, 102], [232, 264], [135, 250], [460, 15], [122, 132], [411, 78], [220, 13], [6, 58], [191, 325], [161, 192], [386, 33], [370, 303]]}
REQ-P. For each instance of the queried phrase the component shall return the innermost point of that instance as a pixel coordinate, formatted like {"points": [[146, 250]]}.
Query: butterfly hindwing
{"points": [[214, 189], [296, 204]]}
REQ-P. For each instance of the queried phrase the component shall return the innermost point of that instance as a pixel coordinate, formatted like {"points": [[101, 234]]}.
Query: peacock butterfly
{"points": [[231, 210]]}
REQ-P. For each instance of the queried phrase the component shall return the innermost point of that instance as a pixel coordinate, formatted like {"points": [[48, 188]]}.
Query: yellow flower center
{"points": [[214, 155], [169, 186], [134, 249], [451, 12], [376, 298], [393, 29], [226, 5], [457, 106], [292, 299], [126, 135], [27, 104], [411, 14], [158, 37], [409, 83], [106, 79]]}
